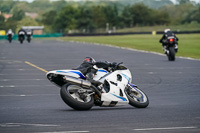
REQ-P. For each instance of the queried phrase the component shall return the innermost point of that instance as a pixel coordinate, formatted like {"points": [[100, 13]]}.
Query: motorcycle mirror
{"points": [[120, 63]]}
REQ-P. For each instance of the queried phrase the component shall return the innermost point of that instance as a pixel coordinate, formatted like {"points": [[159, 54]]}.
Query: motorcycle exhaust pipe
{"points": [[82, 83]]}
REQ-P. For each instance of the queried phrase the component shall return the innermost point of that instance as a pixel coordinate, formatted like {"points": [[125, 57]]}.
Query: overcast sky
{"points": [[190, 0], [79, 0]]}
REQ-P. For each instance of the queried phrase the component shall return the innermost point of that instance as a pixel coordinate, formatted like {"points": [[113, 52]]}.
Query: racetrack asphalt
{"points": [[30, 103]]}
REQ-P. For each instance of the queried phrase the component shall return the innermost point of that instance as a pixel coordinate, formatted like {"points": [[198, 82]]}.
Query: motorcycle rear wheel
{"points": [[136, 97], [29, 40], [70, 95], [171, 56]]}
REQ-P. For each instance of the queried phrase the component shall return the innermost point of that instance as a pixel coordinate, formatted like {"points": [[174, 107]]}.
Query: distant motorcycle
{"points": [[28, 35], [21, 36], [9, 36], [114, 88], [171, 48]]}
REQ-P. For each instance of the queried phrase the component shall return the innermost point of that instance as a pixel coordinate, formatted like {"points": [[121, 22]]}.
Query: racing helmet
{"points": [[89, 60], [9, 31], [166, 30]]}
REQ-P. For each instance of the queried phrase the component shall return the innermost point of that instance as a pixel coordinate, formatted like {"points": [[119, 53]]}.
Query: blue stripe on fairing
{"points": [[126, 77], [79, 73], [103, 71], [124, 99]]}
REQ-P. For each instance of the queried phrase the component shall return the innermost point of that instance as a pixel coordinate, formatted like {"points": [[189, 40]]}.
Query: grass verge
{"points": [[189, 44]]}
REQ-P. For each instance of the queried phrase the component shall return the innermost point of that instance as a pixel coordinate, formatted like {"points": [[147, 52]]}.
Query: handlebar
{"points": [[107, 65], [115, 66]]}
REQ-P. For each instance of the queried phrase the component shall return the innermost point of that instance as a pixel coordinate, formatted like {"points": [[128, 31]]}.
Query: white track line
{"points": [[13, 86], [189, 58], [23, 95], [67, 132], [164, 128], [3, 80], [27, 124]]}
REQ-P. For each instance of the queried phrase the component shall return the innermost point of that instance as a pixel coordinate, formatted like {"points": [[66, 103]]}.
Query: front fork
{"points": [[133, 85]]}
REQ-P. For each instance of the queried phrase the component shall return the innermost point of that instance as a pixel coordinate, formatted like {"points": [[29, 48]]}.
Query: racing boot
{"points": [[165, 49], [95, 83], [176, 48]]}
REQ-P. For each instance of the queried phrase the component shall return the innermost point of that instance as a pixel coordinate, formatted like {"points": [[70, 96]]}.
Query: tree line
{"points": [[109, 17]]}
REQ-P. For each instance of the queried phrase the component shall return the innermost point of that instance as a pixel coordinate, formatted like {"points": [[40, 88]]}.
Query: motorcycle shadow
{"points": [[104, 109]]}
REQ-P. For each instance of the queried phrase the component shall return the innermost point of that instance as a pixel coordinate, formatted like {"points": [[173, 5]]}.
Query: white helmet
{"points": [[166, 30], [9, 31]]}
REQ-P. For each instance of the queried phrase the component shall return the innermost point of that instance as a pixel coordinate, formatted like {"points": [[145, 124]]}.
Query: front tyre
{"points": [[136, 97], [76, 97]]}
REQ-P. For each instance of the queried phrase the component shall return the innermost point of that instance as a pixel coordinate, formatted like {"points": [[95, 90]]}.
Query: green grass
{"points": [[185, 27], [189, 44]]}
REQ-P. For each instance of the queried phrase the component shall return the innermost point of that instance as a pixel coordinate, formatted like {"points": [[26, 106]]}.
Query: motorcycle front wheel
{"points": [[76, 97], [136, 97]]}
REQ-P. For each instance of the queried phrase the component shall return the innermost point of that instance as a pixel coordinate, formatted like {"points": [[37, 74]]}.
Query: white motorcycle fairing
{"points": [[115, 95]]}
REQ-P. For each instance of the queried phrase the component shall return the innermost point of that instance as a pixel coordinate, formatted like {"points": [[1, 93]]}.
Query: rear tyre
{"points": [[136, 97], [21, 39], [10, 40], [72, 96], [29, 40], [171, 56]]}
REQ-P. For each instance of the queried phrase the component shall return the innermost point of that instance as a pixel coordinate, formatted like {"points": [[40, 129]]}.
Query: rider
{"points": [[10, 32], [163, 40], [89, 69], [29, 32]]}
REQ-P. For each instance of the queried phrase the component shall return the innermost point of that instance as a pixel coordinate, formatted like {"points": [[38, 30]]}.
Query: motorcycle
{"points": [[28, 34], [171, 48], [21, 36], [9, 36], [114, 87]]}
